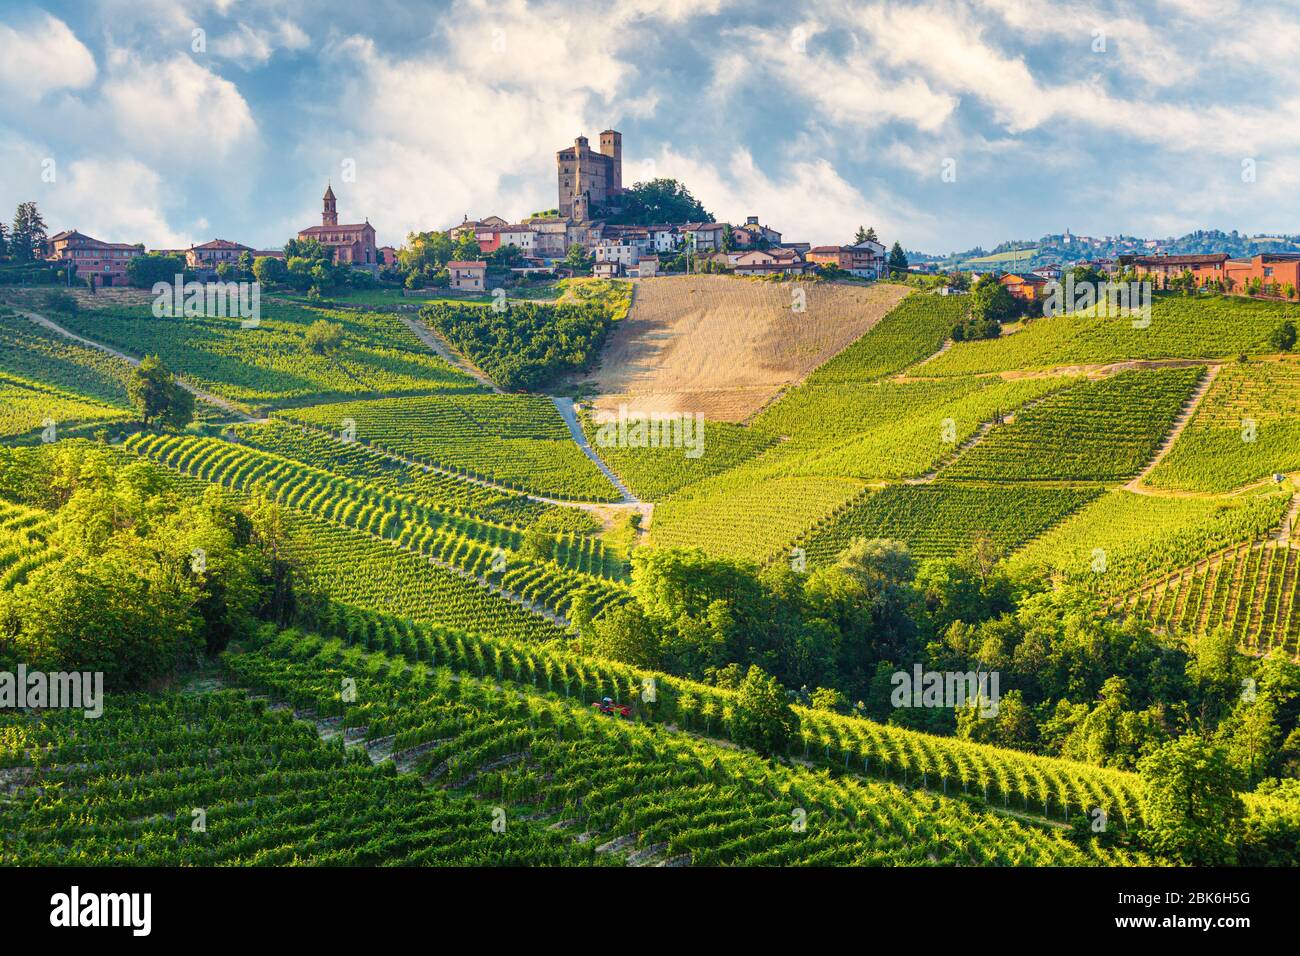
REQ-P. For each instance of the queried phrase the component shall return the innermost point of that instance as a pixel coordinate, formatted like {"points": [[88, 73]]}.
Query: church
{"points": [[352, 245]]}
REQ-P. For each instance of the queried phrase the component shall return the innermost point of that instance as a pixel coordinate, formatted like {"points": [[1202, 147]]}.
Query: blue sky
{"points": [[1151, 118]]}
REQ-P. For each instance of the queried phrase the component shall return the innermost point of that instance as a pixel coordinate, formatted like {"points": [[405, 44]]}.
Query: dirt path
{"points": [[1180, 423], [200, 394], [435, 342], [568, 411]]}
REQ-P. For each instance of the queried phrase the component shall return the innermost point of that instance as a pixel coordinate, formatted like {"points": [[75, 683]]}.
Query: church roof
{"points": [[329, 192]]}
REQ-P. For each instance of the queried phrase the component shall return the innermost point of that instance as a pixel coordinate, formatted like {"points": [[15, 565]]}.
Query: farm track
{"points": [[203, 396], [447, 354], [563, 405], [1185, 416], [569, 413]]}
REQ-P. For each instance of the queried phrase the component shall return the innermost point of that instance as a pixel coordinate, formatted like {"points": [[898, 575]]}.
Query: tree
{"points": [[578, 259], [310, 248], [156, 396], [625, 634], [323, 337], [660, 200], [1282, 338], [897, 260], [27, 239], [1190, 804], [763, 719], [865, 235], [506, 257], [143, 272], [246, 263], [269, 271]]}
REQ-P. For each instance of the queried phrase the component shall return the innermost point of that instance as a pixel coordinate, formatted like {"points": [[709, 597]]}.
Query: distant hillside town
{"points": [[602, 228], [598, 227]]}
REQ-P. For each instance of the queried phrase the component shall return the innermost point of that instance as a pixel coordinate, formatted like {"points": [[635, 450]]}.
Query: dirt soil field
{"points": [[725, 346]]}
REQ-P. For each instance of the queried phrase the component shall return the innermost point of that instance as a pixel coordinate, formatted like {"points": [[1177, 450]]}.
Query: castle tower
{"points": [[330, 215], [611, 145]]}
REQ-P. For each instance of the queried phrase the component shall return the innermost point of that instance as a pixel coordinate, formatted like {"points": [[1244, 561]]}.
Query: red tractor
{"points": [[606, 705]]}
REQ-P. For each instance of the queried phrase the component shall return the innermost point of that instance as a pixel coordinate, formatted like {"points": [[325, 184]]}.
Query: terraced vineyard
{"points": [[30, 352], [29, 408], [24, 545], [1249, 588], [1093, 431], [1181, 328], [121, 790], [519, 441], [1124, 539], [655, 473], [943, 519], [356, 460], [663, 797], [270, 364], [454, 542], [1245, 429]]}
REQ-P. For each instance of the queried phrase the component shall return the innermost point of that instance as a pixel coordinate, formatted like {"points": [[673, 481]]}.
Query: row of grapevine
{"points": [[1094, 431], [1250, 588], [216, 779], [670, 796]]}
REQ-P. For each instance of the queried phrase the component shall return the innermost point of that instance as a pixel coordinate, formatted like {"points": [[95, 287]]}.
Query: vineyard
{"points": [[270, 364], [1095, 431], [1249, 588], [429, 700], [1122, 539], [944, 519], [1180, 328], [1245, 429], [28, 407], [519, 441]]}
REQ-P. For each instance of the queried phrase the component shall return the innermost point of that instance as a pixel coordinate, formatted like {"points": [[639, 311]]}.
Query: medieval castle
{"points": [[587, 178]]}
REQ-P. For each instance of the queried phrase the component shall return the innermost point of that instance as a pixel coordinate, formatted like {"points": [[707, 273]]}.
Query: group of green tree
{"points": [[1073, 682], [524, 346], [147, 580], [26, 239], [654, 202]]}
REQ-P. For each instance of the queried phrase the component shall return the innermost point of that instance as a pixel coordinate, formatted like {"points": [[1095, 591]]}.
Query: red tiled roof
{"points": [[478, 264]]}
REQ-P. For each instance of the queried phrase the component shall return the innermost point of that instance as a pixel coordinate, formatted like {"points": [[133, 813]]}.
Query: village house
{"points": [[1024, 285], [105, 260], [706, 236], [863, 259], [1160, 269], [792, 267], [468, 276], [751, 234], [647, 267], [387, 257], [206, 257], [351, 244], [1270, 272]]}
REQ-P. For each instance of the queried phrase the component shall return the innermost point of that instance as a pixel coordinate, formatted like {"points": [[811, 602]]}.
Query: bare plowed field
{"points": [[724, 346]]}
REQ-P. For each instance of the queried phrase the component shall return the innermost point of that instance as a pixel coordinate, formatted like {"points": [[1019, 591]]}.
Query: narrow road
{"points": [[1180, 423], [427, 336], [570, 415], [200, 394]]}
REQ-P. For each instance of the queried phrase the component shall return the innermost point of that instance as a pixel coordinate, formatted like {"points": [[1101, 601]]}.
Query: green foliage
{"points": [[1191, 809], [156, 395], [143, 271], [763, 719], [524, 345], [323, 337], [657, 201]]}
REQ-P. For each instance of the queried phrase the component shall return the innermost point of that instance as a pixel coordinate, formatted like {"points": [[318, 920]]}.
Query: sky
{"points": [[943, 124]]}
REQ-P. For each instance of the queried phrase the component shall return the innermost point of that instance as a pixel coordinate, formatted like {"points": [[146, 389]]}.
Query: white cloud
{"points": [[250, 47], [42, 59], [806, 199], [177, 109]]}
